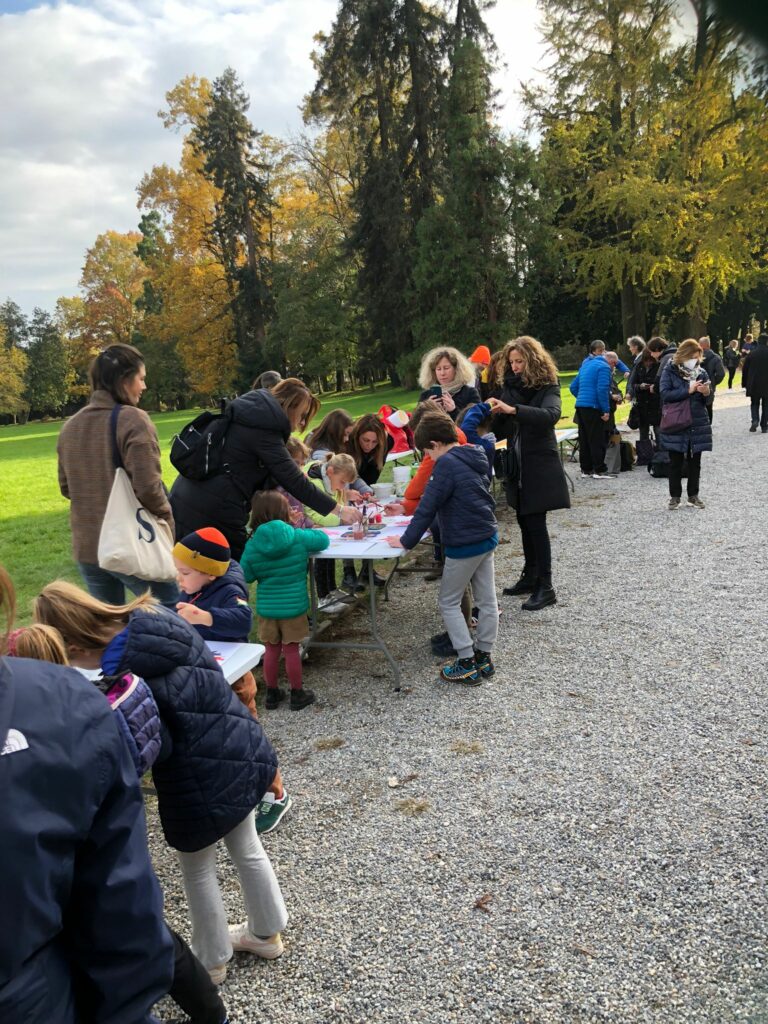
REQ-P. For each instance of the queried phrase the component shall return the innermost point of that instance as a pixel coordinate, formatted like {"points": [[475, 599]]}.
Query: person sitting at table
{"points": [[368, 444], [333, 475], [276, 557], [448, 380], [330, 435]]}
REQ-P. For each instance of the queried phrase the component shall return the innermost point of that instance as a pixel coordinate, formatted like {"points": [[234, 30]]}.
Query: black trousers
{"points": [[731, 375], [192, 988], [325, 576], [593, 440], [676, 474], [536, 545], [755, 409]]}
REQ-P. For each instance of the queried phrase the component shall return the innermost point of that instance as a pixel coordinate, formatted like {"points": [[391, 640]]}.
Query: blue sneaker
{"points": [[463, 670], [484, 664]]}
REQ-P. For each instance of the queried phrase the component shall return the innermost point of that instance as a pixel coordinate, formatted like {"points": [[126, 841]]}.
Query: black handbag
{"points": [[633, 420]]}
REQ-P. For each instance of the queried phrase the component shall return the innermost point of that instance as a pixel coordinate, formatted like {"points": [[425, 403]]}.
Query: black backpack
{"points": [[659, 464], [197, 451]]}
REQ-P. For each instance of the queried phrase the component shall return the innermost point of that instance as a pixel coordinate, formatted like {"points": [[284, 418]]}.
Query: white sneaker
{"points": [[604, 476], [218, 974], [243, 941]]}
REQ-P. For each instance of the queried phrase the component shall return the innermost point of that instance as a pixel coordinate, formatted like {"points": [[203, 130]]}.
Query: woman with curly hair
{"points": [[526, 415], [448, 380]]}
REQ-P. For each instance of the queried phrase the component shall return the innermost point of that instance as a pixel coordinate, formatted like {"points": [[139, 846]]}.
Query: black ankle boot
{"points": [[542, 596], [524, 585]]}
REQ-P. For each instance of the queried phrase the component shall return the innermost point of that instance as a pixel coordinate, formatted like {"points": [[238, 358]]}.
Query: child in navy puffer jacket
{"points": [[458, 493]]}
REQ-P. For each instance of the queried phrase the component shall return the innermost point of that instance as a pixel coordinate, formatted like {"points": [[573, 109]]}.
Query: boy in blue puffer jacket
{"points": [[458, 493]]}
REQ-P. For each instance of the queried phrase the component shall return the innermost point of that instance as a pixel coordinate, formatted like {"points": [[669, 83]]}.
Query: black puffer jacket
{"points": [[216, 762], [540, 485], [648, 402], [254, 450], [466, 395], [755, 372]]}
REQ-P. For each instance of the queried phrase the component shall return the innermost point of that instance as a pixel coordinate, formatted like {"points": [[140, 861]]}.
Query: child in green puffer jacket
{"points": [[277, 556]]}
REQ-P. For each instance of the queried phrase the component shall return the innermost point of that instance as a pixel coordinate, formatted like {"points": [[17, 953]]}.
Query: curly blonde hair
{"points": [[465, 371], [540, 369]]}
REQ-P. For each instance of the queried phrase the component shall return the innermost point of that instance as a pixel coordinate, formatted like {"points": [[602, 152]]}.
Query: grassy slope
{"points": [[34, 526]]}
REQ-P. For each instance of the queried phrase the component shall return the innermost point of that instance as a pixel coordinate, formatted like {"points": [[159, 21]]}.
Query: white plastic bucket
{"points": [[383, 491], [401, 476]]}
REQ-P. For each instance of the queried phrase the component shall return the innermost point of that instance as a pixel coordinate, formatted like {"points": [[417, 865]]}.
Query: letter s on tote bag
{"points": [[132, 540]]}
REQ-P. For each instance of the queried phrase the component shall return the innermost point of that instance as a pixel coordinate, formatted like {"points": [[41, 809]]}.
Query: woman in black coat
{"points": [[646, 391], [448, 371], [256, 458], [526, 415]]}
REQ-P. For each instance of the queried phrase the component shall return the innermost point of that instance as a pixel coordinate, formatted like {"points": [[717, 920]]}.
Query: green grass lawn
{"points": [[34, 522]]}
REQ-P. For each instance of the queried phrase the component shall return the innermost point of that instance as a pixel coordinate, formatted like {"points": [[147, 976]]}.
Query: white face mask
{"points": [[691, 364]]}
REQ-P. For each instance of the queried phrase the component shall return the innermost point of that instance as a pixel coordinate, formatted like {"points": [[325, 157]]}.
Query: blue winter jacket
{"points": [[458, 495], [475, 415], [217, 763], [674, 388], [226, 598], [592, 385], [83, 936]]}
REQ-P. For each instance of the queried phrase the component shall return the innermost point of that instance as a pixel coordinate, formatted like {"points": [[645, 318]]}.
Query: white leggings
{"points": [[258, 884]]}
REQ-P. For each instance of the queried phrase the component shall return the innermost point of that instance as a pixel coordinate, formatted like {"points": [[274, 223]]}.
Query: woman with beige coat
{"points": [[87, 471]]}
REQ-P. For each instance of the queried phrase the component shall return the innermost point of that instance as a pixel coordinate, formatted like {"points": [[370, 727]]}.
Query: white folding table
{"points": [[371, 548]]}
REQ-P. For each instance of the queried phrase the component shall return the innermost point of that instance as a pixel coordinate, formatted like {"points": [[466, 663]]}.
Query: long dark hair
{"points": [[111, 369], [368, 424], [329, 432]]}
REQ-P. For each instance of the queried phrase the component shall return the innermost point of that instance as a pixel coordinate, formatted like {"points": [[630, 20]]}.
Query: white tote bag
{"points": [[132, 540]]}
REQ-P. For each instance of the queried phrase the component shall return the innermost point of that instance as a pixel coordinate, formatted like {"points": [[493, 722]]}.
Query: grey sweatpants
{"points": [[457, 573]]}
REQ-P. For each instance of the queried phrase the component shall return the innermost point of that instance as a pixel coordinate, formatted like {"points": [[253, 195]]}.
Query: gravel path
{"points": [[581, 839]]}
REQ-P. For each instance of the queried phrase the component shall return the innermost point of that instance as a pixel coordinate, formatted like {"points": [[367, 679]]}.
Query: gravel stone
{"points": [[590, 844]]}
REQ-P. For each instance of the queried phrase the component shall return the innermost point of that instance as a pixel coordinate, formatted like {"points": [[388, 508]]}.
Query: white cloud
{"points": [[81, 87]]}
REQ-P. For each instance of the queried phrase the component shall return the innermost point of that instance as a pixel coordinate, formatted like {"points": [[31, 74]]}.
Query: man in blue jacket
{"points": [[84, 938], [458, 494], [592, 389]]}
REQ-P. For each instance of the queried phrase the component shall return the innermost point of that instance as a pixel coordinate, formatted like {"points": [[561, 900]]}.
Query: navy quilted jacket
{"points": [[458, 494], [220, 762], [674, 388], [226, 598]]}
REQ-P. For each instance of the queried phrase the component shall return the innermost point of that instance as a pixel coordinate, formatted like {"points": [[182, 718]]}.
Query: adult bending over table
{"points": [[535, 483], [256, 458], [87, 471], [450, 372]]}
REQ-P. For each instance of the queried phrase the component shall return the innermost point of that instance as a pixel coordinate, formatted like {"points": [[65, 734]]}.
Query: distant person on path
{"points": [[666, 355], [747, 347], [592, 389], [256, 457], [715, 369], [646, 396], [84, 937], [636, 346], [755, 380], [87, 470], [526, 415], [480, 359], [731, 359], [684, 380], [447, 371]]}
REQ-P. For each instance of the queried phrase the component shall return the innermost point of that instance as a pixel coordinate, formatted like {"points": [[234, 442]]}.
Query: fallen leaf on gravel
{"points": [[481, 903], [466, 747], [409, 778], [412, 806], [573, 693], [748, 742], [333, 743], [586, 951], [393, 782]]}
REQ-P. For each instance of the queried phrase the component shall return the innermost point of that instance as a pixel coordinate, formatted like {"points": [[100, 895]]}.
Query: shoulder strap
{"points": [[116, 459]]}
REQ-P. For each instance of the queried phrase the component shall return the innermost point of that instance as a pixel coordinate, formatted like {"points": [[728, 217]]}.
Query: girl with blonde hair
{"points": [[535, 483], [215, 766], [448, 380]]}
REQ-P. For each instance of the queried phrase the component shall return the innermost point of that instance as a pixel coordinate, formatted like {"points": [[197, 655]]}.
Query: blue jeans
{"points": [[110, 587]]}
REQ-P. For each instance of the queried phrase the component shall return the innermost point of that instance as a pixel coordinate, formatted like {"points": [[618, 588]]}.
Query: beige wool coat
{"points": [[86, 469]]}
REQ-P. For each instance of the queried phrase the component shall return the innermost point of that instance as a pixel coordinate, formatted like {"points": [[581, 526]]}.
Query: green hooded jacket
{"points": [[277, 556]]}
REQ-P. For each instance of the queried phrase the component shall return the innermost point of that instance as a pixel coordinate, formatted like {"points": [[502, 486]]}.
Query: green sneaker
{"points": [[463, 670], [270, 812], [484, 664]]}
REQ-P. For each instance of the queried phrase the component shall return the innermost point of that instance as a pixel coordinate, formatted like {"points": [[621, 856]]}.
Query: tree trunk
{"points": [[634, 311]]}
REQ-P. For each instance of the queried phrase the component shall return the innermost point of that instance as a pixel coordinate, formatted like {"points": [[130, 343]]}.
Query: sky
{"points": [[81, 85]]}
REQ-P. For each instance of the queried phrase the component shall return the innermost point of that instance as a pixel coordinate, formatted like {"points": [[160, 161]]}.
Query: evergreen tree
{"points": [[225, 139], [48, 376]]}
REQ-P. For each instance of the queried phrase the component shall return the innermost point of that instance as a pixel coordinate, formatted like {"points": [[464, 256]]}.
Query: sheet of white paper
{"points": [[235, 659]]}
